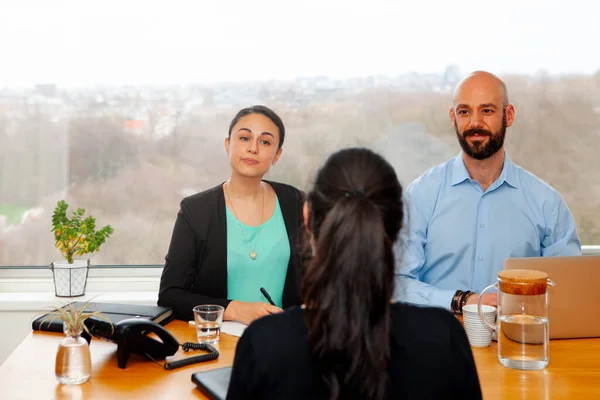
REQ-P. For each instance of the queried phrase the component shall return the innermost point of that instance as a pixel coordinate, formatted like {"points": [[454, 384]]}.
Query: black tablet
{"points": [[213, 383]]}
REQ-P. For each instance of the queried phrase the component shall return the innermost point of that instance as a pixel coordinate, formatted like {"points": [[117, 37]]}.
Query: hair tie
{"points": [[355, 193]]}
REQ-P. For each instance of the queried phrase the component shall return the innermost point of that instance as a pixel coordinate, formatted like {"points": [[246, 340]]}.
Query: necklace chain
{"points": [[262, 214]]}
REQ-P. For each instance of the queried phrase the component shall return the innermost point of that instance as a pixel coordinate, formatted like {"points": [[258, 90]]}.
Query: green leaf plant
{"points": [[76, 236]]}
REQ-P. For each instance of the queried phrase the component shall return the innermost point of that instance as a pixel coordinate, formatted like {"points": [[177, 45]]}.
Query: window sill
{"points": [[33, 289]]}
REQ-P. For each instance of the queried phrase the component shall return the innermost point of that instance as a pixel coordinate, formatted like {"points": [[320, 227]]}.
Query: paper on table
{"points": [[233, 328]]}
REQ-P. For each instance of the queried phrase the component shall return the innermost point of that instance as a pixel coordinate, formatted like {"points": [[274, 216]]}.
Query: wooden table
{"points": [[573, 373], [29, 371]]}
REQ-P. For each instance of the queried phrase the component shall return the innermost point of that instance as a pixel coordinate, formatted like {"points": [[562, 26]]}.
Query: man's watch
{"points": [[459, 299]]}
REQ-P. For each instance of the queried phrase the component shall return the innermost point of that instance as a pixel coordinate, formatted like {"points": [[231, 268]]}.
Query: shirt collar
{"points": [[460, 173]]}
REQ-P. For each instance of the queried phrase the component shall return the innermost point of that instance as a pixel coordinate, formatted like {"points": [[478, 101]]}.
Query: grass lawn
{"points": [[13, 213]]}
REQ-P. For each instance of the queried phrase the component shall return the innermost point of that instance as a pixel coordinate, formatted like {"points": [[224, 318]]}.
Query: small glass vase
{"points": [[73, 361]]}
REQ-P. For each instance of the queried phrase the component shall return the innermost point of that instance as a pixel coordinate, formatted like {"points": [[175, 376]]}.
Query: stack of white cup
{"points": [[478, 333]]}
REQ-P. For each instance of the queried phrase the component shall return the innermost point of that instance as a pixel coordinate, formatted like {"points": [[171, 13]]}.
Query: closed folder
{"points": [[113, 311], [213, 383]]}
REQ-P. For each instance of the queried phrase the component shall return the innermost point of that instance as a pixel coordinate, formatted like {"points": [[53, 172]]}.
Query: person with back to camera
{"points": [[348, 340], [244, 234]]}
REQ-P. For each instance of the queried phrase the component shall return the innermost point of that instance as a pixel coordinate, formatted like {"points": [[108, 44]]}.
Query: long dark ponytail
{"points": [[356, 214]]}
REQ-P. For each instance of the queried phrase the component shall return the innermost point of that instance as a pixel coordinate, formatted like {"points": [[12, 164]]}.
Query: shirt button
{"points": [[482, 226], [480, 258]]}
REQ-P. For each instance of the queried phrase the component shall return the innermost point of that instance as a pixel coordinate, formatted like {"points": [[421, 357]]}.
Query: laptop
{"points": [[213, 383], [574, 303]]}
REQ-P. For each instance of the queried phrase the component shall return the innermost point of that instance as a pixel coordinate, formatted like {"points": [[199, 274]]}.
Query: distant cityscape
{"points": [[154, 112]]}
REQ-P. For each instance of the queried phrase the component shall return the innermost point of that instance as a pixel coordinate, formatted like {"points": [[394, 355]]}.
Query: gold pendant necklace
{"points": [[262, 213]]}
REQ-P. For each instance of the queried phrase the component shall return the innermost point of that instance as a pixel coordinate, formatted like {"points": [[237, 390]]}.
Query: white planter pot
{"points": [[70, 279]]}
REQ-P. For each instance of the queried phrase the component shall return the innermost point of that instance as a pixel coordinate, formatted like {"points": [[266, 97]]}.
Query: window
{"points": [[122, 107]]}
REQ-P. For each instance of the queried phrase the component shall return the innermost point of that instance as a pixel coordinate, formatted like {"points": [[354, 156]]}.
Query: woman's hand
{"points": [[248, 312]]}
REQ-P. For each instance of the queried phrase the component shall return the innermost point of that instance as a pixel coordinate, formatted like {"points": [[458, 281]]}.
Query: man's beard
{"points": [[479, 150]]}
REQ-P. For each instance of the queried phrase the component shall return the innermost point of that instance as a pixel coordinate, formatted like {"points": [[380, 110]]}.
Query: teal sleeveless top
{"points": [[246, 276]]}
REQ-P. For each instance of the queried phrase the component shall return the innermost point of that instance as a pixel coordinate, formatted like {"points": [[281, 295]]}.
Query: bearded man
{"points": [[467, 216]]}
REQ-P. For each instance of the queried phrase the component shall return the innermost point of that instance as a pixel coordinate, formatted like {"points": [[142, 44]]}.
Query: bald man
{"points": [[465, 217]]}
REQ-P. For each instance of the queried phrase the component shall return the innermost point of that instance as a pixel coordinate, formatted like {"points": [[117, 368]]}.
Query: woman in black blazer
{"points": [[240, 234]]}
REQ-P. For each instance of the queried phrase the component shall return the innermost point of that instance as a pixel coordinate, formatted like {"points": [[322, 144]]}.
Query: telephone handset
{"points": [[130, 335]]}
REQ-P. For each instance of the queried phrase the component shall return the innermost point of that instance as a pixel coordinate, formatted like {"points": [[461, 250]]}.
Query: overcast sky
{"points": [[74, 43]]}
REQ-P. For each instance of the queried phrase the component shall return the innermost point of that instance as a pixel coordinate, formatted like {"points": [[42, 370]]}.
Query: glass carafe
{"points": [[522, 320]]}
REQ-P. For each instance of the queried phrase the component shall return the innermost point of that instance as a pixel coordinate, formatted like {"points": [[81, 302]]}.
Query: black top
{"points": [[430, 358], [196, 265]]}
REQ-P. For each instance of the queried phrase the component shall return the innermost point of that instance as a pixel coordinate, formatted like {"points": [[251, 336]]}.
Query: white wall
{"points": [[15, 327]]}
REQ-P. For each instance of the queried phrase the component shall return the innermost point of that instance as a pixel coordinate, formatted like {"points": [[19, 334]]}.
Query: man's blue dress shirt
{"points": [[456, 236]]}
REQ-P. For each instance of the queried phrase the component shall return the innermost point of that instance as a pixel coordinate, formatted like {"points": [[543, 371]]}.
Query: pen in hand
{"points": [[264, 292]]}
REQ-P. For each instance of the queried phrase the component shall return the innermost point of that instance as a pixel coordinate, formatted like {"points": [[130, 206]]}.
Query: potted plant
{"points": [[73, 362], [74, 236]]}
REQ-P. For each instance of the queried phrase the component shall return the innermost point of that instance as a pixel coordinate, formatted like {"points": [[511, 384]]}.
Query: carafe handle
{"points": [[493, 327]]}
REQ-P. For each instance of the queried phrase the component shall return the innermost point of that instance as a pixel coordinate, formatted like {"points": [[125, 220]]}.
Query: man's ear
{"points": [[452, 116], [510, 114], [306, 216]]}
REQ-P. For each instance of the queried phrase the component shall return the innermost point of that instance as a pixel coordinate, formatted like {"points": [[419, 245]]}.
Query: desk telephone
{"points": [[130, 335]]}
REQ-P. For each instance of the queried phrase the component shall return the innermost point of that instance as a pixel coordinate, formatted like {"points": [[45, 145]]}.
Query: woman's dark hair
{"points": [[263, 110], [355, 216]]}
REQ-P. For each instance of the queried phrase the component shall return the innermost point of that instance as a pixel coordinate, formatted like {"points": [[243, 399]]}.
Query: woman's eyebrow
{"points": [[263, 133]]}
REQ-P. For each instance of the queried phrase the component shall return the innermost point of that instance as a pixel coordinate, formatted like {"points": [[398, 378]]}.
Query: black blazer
{"points": [[196, 265], [430, 358]]}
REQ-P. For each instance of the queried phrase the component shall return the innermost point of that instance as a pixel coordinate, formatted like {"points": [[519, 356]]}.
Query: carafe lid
{"points": [[524, 282]]}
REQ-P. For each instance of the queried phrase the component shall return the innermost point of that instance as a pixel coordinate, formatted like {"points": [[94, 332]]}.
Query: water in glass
{"points": [[523, 341], [208, 318], [208, 332]]}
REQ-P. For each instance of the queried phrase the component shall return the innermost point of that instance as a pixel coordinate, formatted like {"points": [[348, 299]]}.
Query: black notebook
{"points": [[113, 311], [213, 383]]}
